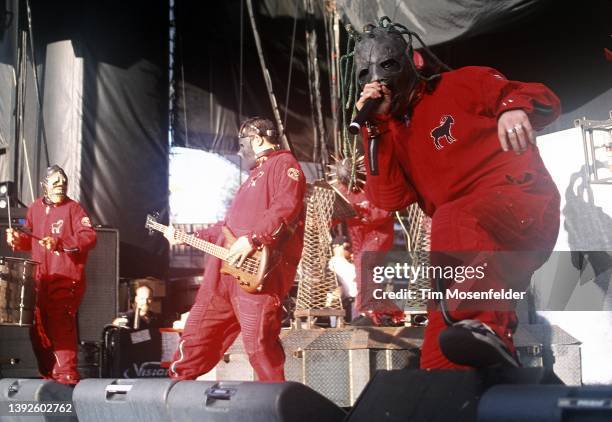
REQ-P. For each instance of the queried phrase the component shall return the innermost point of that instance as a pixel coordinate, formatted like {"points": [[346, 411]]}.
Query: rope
{"points": [[268, 80], [295, 15], [241, 70], [37, 84]]}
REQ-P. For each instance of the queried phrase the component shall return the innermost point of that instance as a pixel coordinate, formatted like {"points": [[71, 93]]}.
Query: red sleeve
{"points": [[210, 233], [540, 103], [390, 189], [83, 236], [289, 185]]}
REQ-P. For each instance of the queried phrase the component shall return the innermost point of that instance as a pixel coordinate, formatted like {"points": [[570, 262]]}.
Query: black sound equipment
{"points": [[434, 395], [132, 354], [15, 345], [21, 398], [249, 401], [546, 403], [100, 302], [413, 395], [134, 400]]}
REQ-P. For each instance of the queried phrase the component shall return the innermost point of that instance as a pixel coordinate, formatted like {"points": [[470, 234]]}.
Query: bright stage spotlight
{"points": [[6, 189]]}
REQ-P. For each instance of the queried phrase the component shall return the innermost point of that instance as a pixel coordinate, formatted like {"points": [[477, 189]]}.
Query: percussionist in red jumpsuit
{"points": [[461, 143], [61, 237], [371, 230], [267, 210]]}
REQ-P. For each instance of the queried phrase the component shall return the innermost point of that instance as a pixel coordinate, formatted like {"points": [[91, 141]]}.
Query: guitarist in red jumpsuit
{"points": [[267, 210], [60, 238]]}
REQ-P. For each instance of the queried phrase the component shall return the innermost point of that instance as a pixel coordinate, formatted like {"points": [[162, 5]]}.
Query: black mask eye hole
{"points": [[391, 65], [364, 76]]}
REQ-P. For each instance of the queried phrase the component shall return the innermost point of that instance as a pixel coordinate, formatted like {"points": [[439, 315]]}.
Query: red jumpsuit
{"points": [[449, 159], [370, 231], [60, 284], [267, 206]]}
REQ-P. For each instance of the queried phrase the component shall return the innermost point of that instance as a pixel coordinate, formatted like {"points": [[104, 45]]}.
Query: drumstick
{"points": [[27, 232], [32, 235]]}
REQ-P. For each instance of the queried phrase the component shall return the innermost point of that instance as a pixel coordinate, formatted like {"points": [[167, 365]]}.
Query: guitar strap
{"points": [[286, 234]]}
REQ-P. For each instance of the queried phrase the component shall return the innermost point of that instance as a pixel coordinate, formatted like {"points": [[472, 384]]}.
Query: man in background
{"points": [[140, 317]]}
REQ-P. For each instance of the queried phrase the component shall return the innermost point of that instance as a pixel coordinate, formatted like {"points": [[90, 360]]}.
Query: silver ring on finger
{"points": [[510, 131], [518, 127]]}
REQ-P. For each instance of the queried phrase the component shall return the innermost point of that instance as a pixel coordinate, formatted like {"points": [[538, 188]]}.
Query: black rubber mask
{"points": [[382, 55], [246, 153]]}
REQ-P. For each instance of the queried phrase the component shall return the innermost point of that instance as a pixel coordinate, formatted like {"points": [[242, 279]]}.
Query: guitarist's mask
{"points": [[256, 129], [246, 153], [55, 185]]}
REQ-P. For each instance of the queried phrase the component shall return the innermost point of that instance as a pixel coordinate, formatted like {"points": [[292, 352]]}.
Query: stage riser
{"points": [[560, 352], [38, 391], [325, 361], [167, 400], [338, 363]]}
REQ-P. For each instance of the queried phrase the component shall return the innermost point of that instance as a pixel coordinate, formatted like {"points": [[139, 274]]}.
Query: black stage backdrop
{"points": [[207, 70], [124, 152]]}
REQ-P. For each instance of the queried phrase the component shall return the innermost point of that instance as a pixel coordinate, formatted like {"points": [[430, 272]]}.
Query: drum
{"points": [[17, 291]]}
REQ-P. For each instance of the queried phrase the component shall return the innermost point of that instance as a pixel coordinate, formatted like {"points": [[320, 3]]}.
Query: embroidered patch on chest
{"points": [[443, 130], [294, 174], [56, 228]]}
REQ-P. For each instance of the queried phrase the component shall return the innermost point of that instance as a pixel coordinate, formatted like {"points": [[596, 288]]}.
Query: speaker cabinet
{"points": [[100, 302]]}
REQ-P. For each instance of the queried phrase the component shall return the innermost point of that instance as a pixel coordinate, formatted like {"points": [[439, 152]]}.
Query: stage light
{"points": [[3, 203], [6, 188]]}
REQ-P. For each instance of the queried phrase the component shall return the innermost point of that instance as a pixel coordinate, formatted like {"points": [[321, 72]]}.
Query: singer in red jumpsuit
{"points": [[480, 197], [462, 145], [62, 237], [267, 210]]}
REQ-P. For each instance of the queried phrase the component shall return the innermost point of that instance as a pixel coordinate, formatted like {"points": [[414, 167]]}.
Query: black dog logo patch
{"points": [[443, 131]]}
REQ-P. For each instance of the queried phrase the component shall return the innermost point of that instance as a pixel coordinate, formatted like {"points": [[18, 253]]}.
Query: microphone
{"points": [[364, 114]]}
